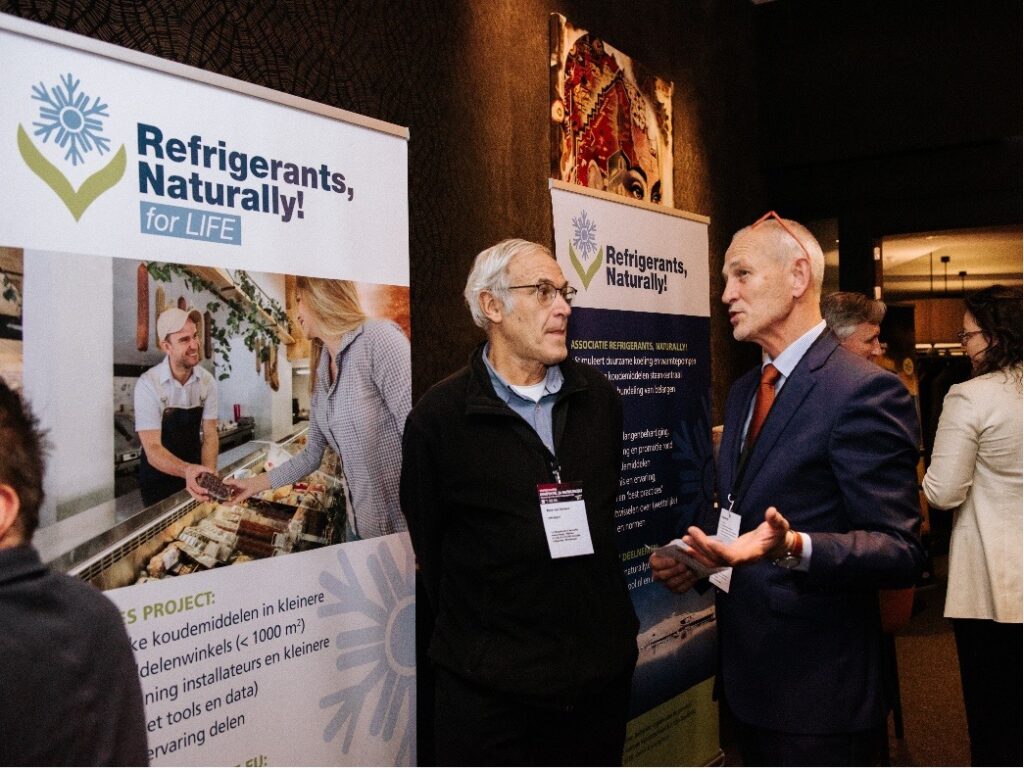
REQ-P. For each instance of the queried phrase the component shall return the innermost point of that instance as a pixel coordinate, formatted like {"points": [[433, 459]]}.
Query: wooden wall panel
{"points": [[938, 320], [470, 81]]}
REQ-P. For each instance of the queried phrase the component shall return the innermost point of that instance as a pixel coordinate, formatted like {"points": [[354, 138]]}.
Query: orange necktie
{"points": [[763, 402]]}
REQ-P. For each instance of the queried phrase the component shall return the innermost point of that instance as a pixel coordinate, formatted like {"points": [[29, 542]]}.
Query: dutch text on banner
{"points": [[322, 653], [277, 629], [642, 317]]}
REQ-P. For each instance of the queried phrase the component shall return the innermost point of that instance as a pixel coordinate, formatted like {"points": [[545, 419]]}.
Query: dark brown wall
{"points": [[470, 80]]}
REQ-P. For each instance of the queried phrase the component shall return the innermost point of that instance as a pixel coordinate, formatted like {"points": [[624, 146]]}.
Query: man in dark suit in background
{"points": [[817, 484], [856, 320]]}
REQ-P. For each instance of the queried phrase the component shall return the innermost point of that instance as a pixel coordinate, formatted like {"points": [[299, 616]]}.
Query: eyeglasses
{"points": [[963, 336], [771, 215], [546, 292]]}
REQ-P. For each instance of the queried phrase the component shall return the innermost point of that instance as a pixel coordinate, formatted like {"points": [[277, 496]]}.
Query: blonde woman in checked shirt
{"points": [[360, 398]]}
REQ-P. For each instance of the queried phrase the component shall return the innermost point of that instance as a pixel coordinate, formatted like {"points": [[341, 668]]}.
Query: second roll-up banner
{"points": [[642, 317], [279, 631]]}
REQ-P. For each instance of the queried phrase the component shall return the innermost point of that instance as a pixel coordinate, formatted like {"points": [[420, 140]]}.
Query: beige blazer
{"points": [[976, 468]]}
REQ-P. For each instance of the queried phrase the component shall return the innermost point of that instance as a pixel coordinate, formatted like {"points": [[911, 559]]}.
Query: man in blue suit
{"points": [[817, 483]]}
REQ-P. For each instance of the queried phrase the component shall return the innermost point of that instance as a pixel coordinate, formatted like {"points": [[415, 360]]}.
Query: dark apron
{"points": [[179, 434]]}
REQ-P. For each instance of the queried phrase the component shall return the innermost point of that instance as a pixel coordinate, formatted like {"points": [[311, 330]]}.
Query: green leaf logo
{"points": [[77, 201], [586, 274]]}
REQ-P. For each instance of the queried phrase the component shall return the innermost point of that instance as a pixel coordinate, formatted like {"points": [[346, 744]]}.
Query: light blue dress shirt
{"points": [[537, 413]]}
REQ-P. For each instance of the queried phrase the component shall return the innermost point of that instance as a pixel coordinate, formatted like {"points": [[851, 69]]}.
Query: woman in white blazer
{"points": [[976, 470]]}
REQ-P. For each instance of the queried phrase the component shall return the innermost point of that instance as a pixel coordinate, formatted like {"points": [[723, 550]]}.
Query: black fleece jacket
{"points": [[507, 615]]}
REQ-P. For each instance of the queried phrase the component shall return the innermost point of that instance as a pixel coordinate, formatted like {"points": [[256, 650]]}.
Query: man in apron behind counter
{"points": [[174, 401]]}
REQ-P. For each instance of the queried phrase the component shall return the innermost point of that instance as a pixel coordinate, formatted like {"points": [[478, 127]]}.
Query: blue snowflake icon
{"points": [[66, 111], [584, 235], [379, 655]]}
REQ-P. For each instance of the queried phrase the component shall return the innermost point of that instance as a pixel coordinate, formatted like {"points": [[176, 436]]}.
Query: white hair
{"points": [[490, 274], [845, 311], [788, 247]]}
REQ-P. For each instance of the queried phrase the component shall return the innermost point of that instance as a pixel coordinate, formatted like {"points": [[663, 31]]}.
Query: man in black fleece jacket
{"points": [[535, 636]]}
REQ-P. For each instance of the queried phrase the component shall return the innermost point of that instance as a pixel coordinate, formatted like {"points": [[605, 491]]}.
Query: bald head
{"points": [[773, 272], [786, 241]]}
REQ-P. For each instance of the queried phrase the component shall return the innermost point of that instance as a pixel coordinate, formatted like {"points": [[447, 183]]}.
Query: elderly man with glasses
{"points": [[509, 480], [816, 477]]}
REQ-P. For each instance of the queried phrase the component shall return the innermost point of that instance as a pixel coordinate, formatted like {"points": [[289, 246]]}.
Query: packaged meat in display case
{"points": [[199, 536]]}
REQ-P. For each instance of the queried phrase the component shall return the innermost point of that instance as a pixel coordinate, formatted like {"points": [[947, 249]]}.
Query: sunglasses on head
{"points": [[771, 215]]}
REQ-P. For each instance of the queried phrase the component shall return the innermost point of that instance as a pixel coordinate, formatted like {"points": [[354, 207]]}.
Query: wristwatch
{"points": [[794, 549]]}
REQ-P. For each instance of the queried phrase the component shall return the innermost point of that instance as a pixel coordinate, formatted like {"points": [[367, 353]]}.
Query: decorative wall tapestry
{"points": [[611, 119]]}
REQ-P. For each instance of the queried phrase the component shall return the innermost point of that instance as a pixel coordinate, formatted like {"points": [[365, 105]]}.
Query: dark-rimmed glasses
{"points": [[964, 335], [546, 292], [771, 215]]}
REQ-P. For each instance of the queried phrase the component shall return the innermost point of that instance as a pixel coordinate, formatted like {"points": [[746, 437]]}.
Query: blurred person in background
{"points": [[856, 320], [976, 470]]}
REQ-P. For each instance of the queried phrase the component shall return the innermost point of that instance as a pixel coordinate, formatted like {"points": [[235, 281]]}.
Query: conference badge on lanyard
{"points": [[728, 530], [565, 519]]}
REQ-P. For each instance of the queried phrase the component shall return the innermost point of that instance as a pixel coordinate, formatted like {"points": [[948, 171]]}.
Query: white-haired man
{"points": [[817, 484], [509, 479], [856, 320]]}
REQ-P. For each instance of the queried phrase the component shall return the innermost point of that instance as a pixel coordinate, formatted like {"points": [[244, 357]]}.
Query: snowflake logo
{"points": [[67, 112], [584, 239], [67, 116], [385, 649], [584, 235]]}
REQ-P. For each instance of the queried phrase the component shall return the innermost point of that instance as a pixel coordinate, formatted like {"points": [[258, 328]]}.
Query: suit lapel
{"points": [[800, 383], [732, 437]]}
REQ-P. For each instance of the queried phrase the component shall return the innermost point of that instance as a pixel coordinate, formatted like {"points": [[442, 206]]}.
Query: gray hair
{"points": [[490, 274], [844, 311], [790, 245]]}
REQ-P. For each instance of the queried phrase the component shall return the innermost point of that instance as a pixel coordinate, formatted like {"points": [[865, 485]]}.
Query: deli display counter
{"points": [[180, 536]]}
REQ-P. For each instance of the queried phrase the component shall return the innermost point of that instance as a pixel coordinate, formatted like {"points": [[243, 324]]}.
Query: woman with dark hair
{"points": [[976, 470]]}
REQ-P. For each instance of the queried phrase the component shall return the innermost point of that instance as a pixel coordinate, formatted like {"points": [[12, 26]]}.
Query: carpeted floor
{"points": [[935, 728]]}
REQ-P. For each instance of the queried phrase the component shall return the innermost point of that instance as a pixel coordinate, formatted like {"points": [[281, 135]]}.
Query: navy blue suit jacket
{"points": [[800, 650]]}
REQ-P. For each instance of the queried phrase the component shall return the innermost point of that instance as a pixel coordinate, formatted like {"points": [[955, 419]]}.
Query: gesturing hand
{"points": [[767, 540]]}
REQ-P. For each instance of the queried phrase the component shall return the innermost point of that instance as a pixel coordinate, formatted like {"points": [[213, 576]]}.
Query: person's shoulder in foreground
{"points": [[69, 689]]}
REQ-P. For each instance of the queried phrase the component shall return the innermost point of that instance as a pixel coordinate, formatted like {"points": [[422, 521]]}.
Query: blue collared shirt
{"points": [[538, 414], [360, 416]]}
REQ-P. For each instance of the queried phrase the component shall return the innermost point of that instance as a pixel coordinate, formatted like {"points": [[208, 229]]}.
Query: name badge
{"points": [[728, 530], [565, 519]]}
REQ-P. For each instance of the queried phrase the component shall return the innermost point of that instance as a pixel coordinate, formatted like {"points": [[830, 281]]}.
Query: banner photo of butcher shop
{"points": [[204, 297]]}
